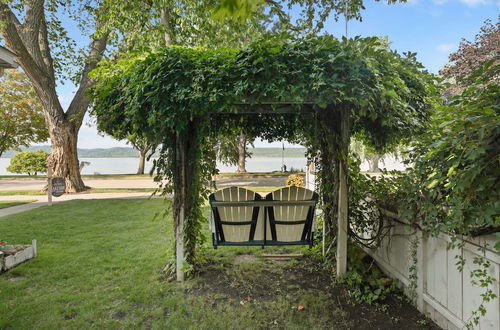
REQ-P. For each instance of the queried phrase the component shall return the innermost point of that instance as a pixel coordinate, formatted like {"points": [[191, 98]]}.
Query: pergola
{"points": [[332, 88]]}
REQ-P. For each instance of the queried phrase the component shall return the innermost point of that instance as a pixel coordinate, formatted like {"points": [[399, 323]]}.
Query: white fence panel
{"points": [[444, 293]]}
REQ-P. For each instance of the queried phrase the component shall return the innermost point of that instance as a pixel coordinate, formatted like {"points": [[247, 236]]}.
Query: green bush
{"points": [[28, 162]]}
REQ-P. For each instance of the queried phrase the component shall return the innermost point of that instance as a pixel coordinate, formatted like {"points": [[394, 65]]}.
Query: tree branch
{"points": [[12, 35], [44, 48], [31, 28], [165, 17], [81, 101]]}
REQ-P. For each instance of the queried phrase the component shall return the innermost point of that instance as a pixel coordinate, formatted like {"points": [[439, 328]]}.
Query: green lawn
{"points": [[99, 263], [93, 190], [256, 174], [5, 204], [95, 176], [111, 190], [21, 193]]}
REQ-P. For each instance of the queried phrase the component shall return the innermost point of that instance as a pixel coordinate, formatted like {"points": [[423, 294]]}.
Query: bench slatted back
{"points": [[291, 223], [235, 223]]}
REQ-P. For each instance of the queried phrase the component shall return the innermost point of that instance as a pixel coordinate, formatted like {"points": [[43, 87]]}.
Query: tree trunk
{"points": [[30, 43], [64, 156], [142, 161], [373, 162], [242, 153]]}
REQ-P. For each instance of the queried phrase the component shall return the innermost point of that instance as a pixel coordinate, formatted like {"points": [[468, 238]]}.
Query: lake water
{"points": [[257, 164], [129, 165]]}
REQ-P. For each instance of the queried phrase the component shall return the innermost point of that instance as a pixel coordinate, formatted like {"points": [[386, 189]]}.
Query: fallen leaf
{"points": [[386, 281]]}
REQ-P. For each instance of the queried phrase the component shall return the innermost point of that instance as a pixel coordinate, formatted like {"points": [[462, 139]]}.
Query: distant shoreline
{"points": [[124, 152]]}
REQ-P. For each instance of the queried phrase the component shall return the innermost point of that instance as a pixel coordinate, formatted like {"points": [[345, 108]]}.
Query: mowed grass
{"points": [[97, 260], [98, 265], [5, 204], [116, 190], [92, 190]]}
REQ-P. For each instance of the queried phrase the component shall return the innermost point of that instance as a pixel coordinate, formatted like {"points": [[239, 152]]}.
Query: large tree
{"points": [[21, 117], [144, 146], [232, 149], [33, 31], [472, 55]]}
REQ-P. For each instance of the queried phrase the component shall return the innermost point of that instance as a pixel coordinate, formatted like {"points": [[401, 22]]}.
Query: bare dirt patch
{"points": [[300, 287], [244, 258]]}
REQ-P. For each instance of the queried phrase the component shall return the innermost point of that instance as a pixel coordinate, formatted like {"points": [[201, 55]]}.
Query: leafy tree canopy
{"points": [[21, 117], [31, 162], [312, 13], [457, 161], [158, 93], [472, 55]]}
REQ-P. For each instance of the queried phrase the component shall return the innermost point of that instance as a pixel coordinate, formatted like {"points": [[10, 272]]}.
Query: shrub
{"points": [[28, 162], [295, 180]]}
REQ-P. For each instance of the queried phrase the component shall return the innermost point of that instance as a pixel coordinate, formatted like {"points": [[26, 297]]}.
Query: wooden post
{"points": [[179, 234], [179, 247], [49, 183], [343, 198], [342, 223]]}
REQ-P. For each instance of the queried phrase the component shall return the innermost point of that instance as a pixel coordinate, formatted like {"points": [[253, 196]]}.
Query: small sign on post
{"points": [[55, 186], [49, 183], [58, 186]]}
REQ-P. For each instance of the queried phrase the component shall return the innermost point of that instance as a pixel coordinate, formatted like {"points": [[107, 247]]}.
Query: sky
{"points": [[431, 28]]}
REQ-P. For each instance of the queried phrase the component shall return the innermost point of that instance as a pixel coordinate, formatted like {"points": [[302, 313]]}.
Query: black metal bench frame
{"points": [[268, 204]]}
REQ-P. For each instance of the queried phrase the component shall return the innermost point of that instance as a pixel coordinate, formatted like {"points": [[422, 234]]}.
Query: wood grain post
{"points": [[342, 224], [343, 206], [179, 247], [49, 183], [179, 234]]}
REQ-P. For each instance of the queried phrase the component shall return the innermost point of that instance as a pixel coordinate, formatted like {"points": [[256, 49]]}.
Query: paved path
{"points": [[39, 183], [42, 200]]}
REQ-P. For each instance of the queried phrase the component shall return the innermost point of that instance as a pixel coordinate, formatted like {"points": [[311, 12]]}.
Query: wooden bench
{"points": [[242, 217]]}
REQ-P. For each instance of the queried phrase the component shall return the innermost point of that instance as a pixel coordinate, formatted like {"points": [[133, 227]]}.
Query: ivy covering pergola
{"points": [[318, 91]]}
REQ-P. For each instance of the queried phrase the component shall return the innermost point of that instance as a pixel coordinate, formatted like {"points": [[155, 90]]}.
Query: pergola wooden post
{"points": [[343, 206], [268, 108], [179, 232]]}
